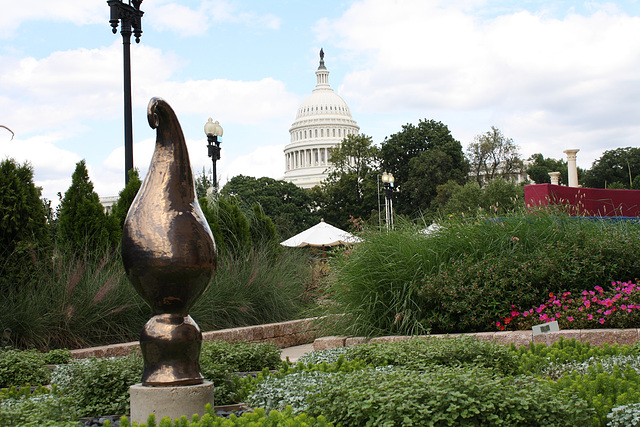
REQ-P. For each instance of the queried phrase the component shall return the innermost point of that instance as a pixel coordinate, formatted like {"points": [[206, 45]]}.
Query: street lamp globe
{"points": [[212, 129]]}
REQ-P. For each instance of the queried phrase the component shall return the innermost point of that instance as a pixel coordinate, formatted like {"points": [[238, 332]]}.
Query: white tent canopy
{"points": [[321, 234]]}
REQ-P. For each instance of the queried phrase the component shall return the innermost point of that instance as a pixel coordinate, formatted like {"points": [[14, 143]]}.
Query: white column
{"points": [[571, 166], [555, 178]]}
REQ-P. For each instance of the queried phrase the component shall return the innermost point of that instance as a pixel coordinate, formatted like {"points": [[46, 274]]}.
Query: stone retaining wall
{"points": [[283, 334], [593, 336]]}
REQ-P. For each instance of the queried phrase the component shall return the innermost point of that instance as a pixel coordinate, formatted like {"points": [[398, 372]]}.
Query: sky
{"points": [[550, 74]]}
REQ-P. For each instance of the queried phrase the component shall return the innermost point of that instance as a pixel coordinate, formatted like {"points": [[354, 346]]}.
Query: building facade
{"points": [[322, 121]]}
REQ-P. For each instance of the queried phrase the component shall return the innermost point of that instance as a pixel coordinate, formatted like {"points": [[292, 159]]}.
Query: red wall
{"points": [[585, 201]]}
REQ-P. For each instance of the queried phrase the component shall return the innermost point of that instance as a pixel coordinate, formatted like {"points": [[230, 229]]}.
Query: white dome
{"points": [[323, 120]]}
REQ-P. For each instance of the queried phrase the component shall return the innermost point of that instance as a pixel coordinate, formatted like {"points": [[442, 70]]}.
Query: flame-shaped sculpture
{"points": [[169, 255]]}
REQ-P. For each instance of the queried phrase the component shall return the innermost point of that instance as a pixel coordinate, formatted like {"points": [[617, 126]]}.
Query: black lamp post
{"points": [[388, 181], [129, 16], [214, 138]]}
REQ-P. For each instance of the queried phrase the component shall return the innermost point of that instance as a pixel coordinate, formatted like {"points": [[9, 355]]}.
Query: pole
{"points": [[130, 19], [128, 115]]}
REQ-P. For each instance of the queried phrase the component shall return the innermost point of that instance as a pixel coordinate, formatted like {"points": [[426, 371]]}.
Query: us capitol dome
{"points": [[322, 121]]}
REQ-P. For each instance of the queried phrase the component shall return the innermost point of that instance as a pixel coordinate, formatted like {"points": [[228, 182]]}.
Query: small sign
{"points": [[545, 328]]}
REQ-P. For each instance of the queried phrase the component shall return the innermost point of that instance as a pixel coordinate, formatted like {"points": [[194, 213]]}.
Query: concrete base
{"points": [[172, 402]]}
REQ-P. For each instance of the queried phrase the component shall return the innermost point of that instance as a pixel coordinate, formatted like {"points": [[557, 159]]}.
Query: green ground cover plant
{"points": [[21, 407], [19, 368], [470, 272]]}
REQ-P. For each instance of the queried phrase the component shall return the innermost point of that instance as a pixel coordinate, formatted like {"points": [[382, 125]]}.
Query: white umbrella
{"points": [[321, 234]]}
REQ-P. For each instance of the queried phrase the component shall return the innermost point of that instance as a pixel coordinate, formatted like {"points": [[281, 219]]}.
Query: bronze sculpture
{"points": [[169, 255]]}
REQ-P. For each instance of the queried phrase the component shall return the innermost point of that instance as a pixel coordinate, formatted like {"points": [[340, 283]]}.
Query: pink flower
{"points": [[587, 304], [570, 318], [589, 316], [601, 321]]}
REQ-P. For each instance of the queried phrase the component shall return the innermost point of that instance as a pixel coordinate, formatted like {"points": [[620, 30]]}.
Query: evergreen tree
{"points": [[23, 222], [229, 225], [82, 224], [263, 230], [125, 198]]}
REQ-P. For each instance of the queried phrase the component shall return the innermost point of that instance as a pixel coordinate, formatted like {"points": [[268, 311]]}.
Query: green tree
{"points": [[263, 230], [23, 222], [539, 168], [621, 165], [492, 155], [82, 223], [397, 151], [229, 225], [350, 189], [203, 183], [290, 207], [125, 198], [497, 197]]}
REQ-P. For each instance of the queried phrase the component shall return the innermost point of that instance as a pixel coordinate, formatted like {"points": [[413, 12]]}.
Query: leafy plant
{"points": [[617, 306], [624, 416], [19, 368], [421, 353], [601, 390], [257, 418], [42, 407], [99, 386], [220, 359], [471, 272], [540, 359], [443, 396]]}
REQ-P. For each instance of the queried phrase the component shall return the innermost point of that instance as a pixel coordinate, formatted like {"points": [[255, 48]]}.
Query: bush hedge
{"points": [[470, 272]]}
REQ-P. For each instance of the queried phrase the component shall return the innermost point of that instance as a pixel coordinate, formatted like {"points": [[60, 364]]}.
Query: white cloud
{"points": [[78, 12], [570, 81], [190, 21]]}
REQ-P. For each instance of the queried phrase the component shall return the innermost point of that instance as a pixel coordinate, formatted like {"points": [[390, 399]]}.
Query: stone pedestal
{"points": [[172, 402]]}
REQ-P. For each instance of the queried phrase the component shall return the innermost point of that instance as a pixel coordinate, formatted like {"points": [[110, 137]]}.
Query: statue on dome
{"points": [[321, 54]]}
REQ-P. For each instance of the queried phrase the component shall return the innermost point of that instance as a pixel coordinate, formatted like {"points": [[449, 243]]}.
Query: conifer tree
{"points": [[23, 225], [125, 198], [83, 224]]}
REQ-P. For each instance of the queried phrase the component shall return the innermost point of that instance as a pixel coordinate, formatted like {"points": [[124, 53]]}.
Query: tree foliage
{"points": [[82, 223], [350, 189], [492, 155], [290, 207], [621, 165], [203, 183], [539, 168], [418, 149], [125, 198], [23, 224], [498, 196]]}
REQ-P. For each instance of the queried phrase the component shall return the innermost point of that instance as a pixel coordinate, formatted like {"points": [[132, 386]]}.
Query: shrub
{"points": [[220, 359], [617, 306], [74, 301], [24, 231], [601, 390], [291, 386], [19, 368], [82, 222], [443, 396], [99, 386], [469, 274], [22, 408], [421, 353], [257, 418], [624, 416], [253, 290], [57, 357], [540, 359]]}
